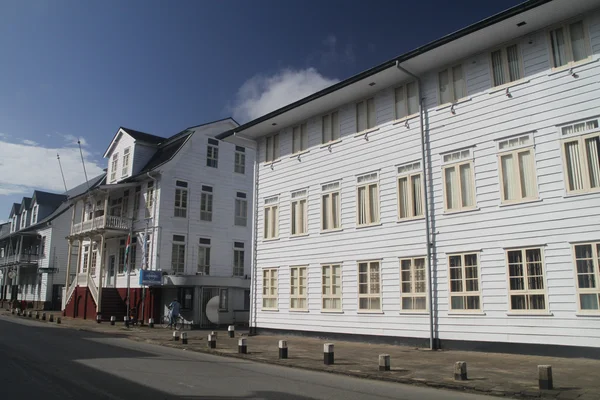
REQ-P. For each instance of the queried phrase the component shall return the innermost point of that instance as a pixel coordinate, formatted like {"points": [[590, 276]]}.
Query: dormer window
{"points": [[24, 219], [126, 155], [34, 214], [113, 167]]}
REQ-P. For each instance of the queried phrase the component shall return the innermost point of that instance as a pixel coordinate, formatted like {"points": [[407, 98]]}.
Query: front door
{"points": [[110, 272]]}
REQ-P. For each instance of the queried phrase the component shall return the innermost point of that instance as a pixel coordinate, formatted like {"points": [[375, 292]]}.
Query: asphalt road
{"points": [[51, 362]]}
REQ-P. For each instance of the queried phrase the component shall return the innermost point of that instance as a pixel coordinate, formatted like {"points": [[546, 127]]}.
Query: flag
{"points": [[127, 246], [144, 244]]}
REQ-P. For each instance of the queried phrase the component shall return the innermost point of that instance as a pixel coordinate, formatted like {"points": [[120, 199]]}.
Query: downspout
{"points": [[432, 344], [154, 236]]}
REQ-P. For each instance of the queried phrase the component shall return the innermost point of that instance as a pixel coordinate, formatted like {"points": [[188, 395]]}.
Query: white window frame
{"points": [[505, 69], [239, 255], [514, 149], [370, 295], [84, 264], [271, 218], [272, 148], [23, 219], [366, 181], [212, 153], [328, 190], [204, 249], [149, 199], [178, 266], [181, 199], [299, 213], [240, 160], [114, 163], [595, 274], [299, 138], [568, 44], [94, 259], [298, 290], [465, 157], [409, 171], [240, 209], [370, 119], [206, 203], [579, 137], [270, 275], [450, 70], [125, 165], [332, 133], [223, 299], [413, 294], [464, 293], [405, 99], [34, 213], [526, 291], [137, 200], [330, 287]]}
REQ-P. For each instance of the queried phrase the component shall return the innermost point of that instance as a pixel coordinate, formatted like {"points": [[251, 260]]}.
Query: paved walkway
{"points": [[490, 373]]}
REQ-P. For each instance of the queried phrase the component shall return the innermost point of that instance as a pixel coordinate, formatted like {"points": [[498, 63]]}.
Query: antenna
{"points": [[82, 162], [61, 172]]}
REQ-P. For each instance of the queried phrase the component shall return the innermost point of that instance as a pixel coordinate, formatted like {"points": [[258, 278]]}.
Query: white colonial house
{"points": [[449, 197], [187, 197]]}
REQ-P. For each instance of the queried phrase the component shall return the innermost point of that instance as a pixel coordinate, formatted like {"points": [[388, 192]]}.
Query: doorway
{"points": [[110, 272]]}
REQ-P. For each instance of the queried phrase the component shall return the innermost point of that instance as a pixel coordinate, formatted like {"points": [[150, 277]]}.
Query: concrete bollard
{"points": [[212, 341], [283, 349], [151, 322], [460, 371], [545, 377], [328, 354], [30, 314], [384, 362], [58, 320], [214, 334], [242, 347], [37, 315], [176, 336], [231, 331], [112, 320], [43, 316], [13, 311], [126, 321], [51, 318], [98, 318], [18, 312], [184, 339]]}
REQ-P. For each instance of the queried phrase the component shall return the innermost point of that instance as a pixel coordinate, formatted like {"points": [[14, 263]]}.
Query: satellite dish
{"points": [[212, 310]]}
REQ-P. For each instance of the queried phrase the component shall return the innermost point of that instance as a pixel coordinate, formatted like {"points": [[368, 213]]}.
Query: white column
{"points": [[100, 275]]}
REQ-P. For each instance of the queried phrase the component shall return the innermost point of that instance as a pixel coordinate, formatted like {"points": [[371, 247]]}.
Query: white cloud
{"points": [[262, 94], [72, 139], [26, 167], [30, 142]]}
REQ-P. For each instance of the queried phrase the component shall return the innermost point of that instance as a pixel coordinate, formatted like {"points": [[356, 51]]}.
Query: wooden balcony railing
{"points": [[112, 222]]}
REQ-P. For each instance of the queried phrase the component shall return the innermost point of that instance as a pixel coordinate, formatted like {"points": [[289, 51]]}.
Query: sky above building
{"points": [[78, 70]]}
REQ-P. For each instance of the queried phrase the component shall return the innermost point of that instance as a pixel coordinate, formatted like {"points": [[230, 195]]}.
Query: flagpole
{"points": [[145, 267], [128, 257]]}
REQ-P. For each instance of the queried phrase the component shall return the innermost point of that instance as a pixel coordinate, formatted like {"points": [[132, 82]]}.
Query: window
{"points": [[212, 153], [43, 246], [410, 191], [223, 300], [132, 254], [206, 203], [136, 200], [204, 257], [240, 160], [451, 84], [149, 199], [459, 181], [569, 44], [331, 127], [299, 138], [298, 288], [406, 100], [414, 284], [330, 206], [178, 254], [581, 155], [125, 205], [24, 219], [331, 287], [365, 115], [369, 288], [464, 282], [94, 260], [587, 263], [271, 226], [116, 207], [517, 169], [185, 296], [125, 166], [181, 199], [121, 261], [269, 295], [272, 148], [368, 199], [526, 279], [241, 209], [113, 167], [299, 213], [84, 265], [238, 259], [34, 214], [506, 65]]}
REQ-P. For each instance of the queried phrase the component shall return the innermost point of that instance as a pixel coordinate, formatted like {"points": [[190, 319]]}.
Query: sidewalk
{"points": [[496, 374]]}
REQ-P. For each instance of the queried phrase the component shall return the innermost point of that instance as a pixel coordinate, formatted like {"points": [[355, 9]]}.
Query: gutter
{"points": [[432, 341]]}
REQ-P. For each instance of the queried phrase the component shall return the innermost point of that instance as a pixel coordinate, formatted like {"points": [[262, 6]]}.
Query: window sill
{"points": [[516, 203], [578, 194], [404, 119], [299, 154], [366, 132], [420, 312], [368, 225], [270, 309], [595, 314], [461, 211], [410, 219], [369, 312], [331, 312], [298, 311], [270, 239], [331, 231], [529, 314], [329, 144], [465, 313], [448, 105], [506, 86], [299, 235], [571, 65], [270, 163]]}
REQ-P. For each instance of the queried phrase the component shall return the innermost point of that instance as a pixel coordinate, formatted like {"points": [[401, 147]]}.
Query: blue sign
{"points": [[150, 278]]}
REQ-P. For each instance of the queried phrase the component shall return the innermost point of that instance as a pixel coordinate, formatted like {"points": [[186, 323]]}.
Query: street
{"points": [[52, 362]]}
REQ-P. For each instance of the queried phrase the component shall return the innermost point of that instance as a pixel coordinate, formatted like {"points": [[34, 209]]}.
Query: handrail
{"points": [[93, 289]]}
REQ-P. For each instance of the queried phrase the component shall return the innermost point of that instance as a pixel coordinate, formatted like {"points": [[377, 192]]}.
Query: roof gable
{"points": [[15, 209], [25, 204], [47, 198], [138, 136]]}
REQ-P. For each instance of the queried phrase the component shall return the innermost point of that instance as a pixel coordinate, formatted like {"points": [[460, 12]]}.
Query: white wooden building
{"points": [[189, 196], [471, 222]]}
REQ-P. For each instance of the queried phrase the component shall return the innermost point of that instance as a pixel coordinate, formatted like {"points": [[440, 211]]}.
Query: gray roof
{"points": [[47, 198], [143, 136]]}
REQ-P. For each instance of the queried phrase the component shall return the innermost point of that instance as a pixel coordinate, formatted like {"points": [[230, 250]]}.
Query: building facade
{"points": [[187, 198], [449, 197]]}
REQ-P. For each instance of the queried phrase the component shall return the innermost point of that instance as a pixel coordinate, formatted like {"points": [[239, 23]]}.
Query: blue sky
{"points": [[72, 69]]}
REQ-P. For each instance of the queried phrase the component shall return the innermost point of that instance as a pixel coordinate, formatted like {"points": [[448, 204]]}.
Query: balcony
{"points": [[99, 224], [26, 259]]}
